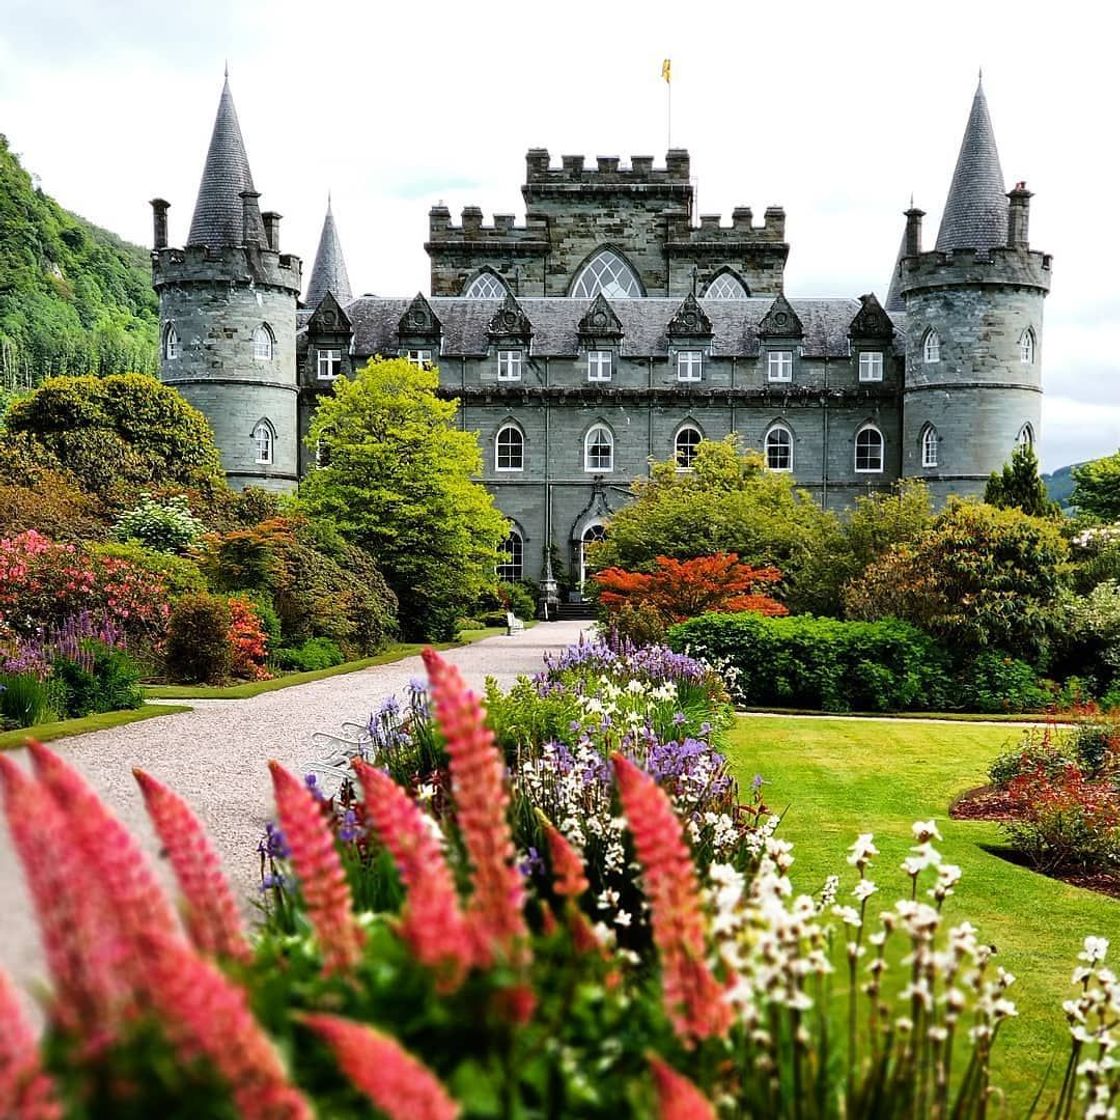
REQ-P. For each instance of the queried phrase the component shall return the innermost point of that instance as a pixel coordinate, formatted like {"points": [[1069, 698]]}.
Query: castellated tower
{"points": [[227, 308], [973, 325]]}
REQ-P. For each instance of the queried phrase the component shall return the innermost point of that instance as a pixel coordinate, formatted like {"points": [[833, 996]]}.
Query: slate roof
{"points": [[329, 272], [975, 215], [895, 302], [217, 217], [645, 323]]}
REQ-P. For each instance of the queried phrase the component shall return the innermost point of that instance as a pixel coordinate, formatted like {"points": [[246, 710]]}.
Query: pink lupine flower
{"points": [[81, 939], [433, 923], [26, 1092], [398, 1084], [693, 997], [322, 879], [124, 873], [569, 878], [211, 912], [481, 805], [206, 1015], [677, 1097]]}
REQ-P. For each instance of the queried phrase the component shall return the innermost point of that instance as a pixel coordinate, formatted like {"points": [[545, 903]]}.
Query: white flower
{"points": [[848, 915], [622, 918], [1095, 950], [863, 890], [863, 849], [924, 831]]}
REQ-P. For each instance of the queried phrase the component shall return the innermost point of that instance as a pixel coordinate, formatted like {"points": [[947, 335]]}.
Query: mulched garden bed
{"points": [[986, 803]]}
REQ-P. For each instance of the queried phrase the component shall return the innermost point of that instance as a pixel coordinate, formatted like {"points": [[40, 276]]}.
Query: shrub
{"points": [[248, 642], [198, 647], [98, 678], [822, 663], [314, 654], [167, 526], [36, 493], [25, 700], [517, 598], [640, 623], [178, 574], [998, 682]]}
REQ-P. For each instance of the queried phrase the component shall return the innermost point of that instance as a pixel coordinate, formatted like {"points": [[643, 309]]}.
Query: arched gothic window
{"points": [[171, 347], [598, 450], [509, 449], [608, 273], [511, 557], [779, 448], [931, 347], [263, 341], [686, 445], [1026, 346], [264, 440], [869, 449], [1025, 438], [591, 535], [929, 446], [726, 286], [485, 286]]}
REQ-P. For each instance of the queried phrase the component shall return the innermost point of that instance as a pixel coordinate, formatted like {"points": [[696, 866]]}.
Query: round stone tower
{"points": [[973, 326], [227, 304]]}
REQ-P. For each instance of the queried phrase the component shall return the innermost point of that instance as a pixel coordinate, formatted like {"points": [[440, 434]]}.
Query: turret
{"points": [[973, 326], [329, 271], [227, 305]]}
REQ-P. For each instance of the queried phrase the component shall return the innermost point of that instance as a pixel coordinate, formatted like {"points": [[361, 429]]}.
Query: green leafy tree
{"points": [[1019, 485], [399, 484], [119, 434], [729, 502], [1096, 490], [879, 521]]}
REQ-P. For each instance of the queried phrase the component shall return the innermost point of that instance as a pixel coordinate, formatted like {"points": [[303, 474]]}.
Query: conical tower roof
{"points": [[975, 215], [218, 217], [329, 273], [895, 302]]}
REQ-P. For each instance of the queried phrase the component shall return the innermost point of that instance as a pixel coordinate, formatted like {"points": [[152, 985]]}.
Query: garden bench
{"points": [[514, 625]]}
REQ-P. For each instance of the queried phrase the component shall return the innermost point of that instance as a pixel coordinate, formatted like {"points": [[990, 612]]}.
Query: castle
{"points": [[610, 329]]}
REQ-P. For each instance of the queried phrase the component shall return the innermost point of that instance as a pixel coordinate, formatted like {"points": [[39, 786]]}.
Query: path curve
{"points": [[216, 757]]}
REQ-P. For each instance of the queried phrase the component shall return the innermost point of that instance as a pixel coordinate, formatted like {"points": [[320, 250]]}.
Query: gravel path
{"points": [[216, 756]]}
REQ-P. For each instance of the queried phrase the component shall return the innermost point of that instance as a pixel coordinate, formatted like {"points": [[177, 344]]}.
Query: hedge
{"points": [[823, 663]]}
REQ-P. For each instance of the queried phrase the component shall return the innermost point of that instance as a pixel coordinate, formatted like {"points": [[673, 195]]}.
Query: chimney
{"points": [[272, 229], [914, 218], [159, 223], [1018, 217], [250, 217]]}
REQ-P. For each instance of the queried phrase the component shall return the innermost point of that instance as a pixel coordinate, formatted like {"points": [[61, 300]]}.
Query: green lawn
{"points": [[842, 777], [45, 732]]}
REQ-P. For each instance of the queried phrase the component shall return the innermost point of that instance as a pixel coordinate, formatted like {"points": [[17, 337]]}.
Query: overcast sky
{"points": [[835, 111]]}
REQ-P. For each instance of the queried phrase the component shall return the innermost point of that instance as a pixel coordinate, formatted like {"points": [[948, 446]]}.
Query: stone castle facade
{"points": [[611, 328]]}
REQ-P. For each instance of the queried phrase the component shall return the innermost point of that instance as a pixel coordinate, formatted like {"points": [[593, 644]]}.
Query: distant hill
{"points": [[1059, 484], [74, 298]]}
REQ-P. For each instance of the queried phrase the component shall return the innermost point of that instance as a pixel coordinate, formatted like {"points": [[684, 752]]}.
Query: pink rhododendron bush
{"points": [[471, 991]]}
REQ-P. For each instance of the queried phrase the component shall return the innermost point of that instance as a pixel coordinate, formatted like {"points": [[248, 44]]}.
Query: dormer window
{"points": [[263, 342], [509, 365], [931, 348], [599, 365], [1026, 347], [608, 273], [422, 359], [690, 365], [779, 365], [171, 347], [329, 364], [871, 365]]}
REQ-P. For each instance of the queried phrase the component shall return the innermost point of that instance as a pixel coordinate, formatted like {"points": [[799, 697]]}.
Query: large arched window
{"points": [[171, 347], [726, 286], [485, 286], [591, 535], [509, 449], [264, 441], [511, 557], [869, 449], [598, 450], [929, 446], [779, 448], [685, 446], [1025, 438], [1026, 346], [263, 342], [608, 273], [931, 347]]}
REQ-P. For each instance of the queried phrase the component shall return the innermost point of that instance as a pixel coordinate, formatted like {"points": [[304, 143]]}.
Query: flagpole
{"points": [[669, 114]]}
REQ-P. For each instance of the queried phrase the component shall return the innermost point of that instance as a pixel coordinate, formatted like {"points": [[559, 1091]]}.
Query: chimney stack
{"points": [[159, 223], [1018, 217], [914, 218], [272, 229], [250, 217]]}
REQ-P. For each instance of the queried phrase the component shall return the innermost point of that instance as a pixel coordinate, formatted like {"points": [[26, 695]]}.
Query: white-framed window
{"points": [[779, 448], [931, 347], [599, 365], [1025, 438], [263, 343], [420, 358], [929, 446], [1026, 346], [869, 450], [511, 557], [598, 450], [590, 535], [509, 449], [329, 364], [485, 286], [509, 365], [726, 286], [608, 273], [322, 453], [779, 365], [171, 347], [264, 441], [871, 365], [685, 446], [690, 365]]}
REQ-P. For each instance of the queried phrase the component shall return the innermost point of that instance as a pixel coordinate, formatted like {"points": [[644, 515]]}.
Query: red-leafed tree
{"points": [[681, 589]]}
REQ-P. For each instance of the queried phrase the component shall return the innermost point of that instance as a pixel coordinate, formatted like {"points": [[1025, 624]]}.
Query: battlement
{"points": [[504, 232], [1002, 264], [742, 228], [241, 264], [573, 170]]}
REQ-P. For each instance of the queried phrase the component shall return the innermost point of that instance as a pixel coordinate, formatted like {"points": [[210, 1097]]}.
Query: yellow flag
{"points": [[667, 70]]}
